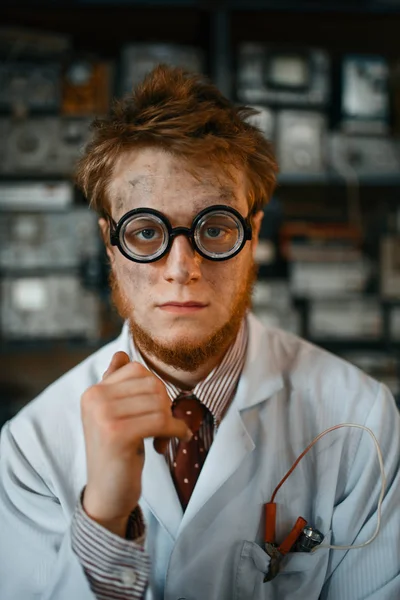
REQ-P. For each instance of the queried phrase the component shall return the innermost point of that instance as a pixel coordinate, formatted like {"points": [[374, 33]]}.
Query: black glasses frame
{"points": [[116, 228]]}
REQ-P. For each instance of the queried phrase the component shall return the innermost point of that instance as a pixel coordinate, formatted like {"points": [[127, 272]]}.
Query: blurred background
{"points": [[325, 77]]}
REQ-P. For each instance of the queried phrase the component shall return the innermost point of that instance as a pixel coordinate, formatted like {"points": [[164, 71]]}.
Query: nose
{"points": [[182, 263]]}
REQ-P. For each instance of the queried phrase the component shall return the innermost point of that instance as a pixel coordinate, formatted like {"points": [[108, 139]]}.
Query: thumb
{"points": [[120, 359], [182, 432]]}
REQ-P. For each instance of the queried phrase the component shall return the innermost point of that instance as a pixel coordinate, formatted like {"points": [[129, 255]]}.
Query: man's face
{"points": [[182, 308]]}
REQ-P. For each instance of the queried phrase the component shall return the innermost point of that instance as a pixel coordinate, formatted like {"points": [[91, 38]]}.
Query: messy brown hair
{"points": [[185, 114]]}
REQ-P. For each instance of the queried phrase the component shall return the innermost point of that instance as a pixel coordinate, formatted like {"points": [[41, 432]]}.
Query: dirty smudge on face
{"points": [[162, 186]]}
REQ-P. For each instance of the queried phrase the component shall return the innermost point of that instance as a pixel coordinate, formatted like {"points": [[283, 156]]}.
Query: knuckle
{"points": [[153, 384], [160, 388], [158, 406], [90, 398], [94, 405], [161, 419], [136, 369]]}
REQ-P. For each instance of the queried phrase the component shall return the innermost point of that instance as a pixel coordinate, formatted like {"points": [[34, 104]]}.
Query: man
{"points": [[143, 472]]}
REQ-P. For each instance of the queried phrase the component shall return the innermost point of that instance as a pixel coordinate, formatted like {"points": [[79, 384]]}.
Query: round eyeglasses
{"points": [[145, 235]]}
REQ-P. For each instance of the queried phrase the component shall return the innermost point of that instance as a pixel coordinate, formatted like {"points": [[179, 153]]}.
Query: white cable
{"points": [[383, 486]]}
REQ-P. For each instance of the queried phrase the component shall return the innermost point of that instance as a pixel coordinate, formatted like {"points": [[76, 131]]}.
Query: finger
{"points": [[136, 405], [155, 425], [119, 360], [131, 388], [130, 369]]}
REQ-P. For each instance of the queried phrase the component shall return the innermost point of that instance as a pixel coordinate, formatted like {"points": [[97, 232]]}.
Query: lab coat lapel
{"points": [[158, 490], [235, 437], [229, 448]]}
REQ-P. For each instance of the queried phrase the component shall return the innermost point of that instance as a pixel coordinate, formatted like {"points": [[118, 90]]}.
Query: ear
{"points": [[256, 221], [105, 233]]}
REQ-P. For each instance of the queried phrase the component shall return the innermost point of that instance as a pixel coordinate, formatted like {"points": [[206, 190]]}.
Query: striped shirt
{"points": [[119, 568]]}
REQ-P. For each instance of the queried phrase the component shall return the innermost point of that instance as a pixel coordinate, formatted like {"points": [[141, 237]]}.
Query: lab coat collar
{"points": [[233, 442], [262, 372]]}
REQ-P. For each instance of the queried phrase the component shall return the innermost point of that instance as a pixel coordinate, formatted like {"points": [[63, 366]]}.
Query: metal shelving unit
{"points": [[217, 26]]}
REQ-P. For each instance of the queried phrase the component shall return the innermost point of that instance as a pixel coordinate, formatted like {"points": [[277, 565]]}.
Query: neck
{"points": [[185, 380], [183, 365]]}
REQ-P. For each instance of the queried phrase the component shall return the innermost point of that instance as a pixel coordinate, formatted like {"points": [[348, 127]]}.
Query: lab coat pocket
{"points": [[301, 575], [250, 573]]}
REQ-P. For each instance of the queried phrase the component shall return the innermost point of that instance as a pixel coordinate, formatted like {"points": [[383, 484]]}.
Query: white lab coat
{"points": [[288, 393]]}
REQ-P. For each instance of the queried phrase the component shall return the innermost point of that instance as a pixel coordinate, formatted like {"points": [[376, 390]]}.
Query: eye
{"points": [[219, 232], [147, 234], [142, 231], [214, 232]]}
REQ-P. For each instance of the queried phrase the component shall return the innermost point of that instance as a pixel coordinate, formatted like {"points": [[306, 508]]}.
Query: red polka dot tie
{"points": [[190, 456]]}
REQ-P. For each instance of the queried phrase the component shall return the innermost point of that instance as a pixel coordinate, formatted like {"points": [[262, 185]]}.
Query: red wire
{"points": [[292, 468]]}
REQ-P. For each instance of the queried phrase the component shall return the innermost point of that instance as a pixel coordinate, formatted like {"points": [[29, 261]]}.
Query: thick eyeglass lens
{"points": [[144, 236], [218, 234]]}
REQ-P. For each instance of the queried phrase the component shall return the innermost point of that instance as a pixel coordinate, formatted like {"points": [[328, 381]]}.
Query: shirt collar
{"points": [[216, 391]]}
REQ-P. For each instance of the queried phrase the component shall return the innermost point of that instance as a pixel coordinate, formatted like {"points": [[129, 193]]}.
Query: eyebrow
{"points": [[220, 198], [227, 193]]}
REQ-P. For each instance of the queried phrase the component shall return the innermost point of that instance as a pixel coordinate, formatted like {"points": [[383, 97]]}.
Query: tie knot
{"points": [[189, 409]]}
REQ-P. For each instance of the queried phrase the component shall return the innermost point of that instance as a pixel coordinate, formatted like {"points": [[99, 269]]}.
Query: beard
{"points": [[184, 354]]}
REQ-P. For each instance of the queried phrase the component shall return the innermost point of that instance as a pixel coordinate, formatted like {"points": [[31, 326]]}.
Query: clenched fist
{"points": [[127, 406]]}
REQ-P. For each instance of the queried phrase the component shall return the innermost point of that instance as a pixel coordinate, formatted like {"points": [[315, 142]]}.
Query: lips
{"points": [[184, 304]]}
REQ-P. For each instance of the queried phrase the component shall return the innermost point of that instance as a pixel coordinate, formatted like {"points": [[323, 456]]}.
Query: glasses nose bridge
{"points": [[186, 231]]}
